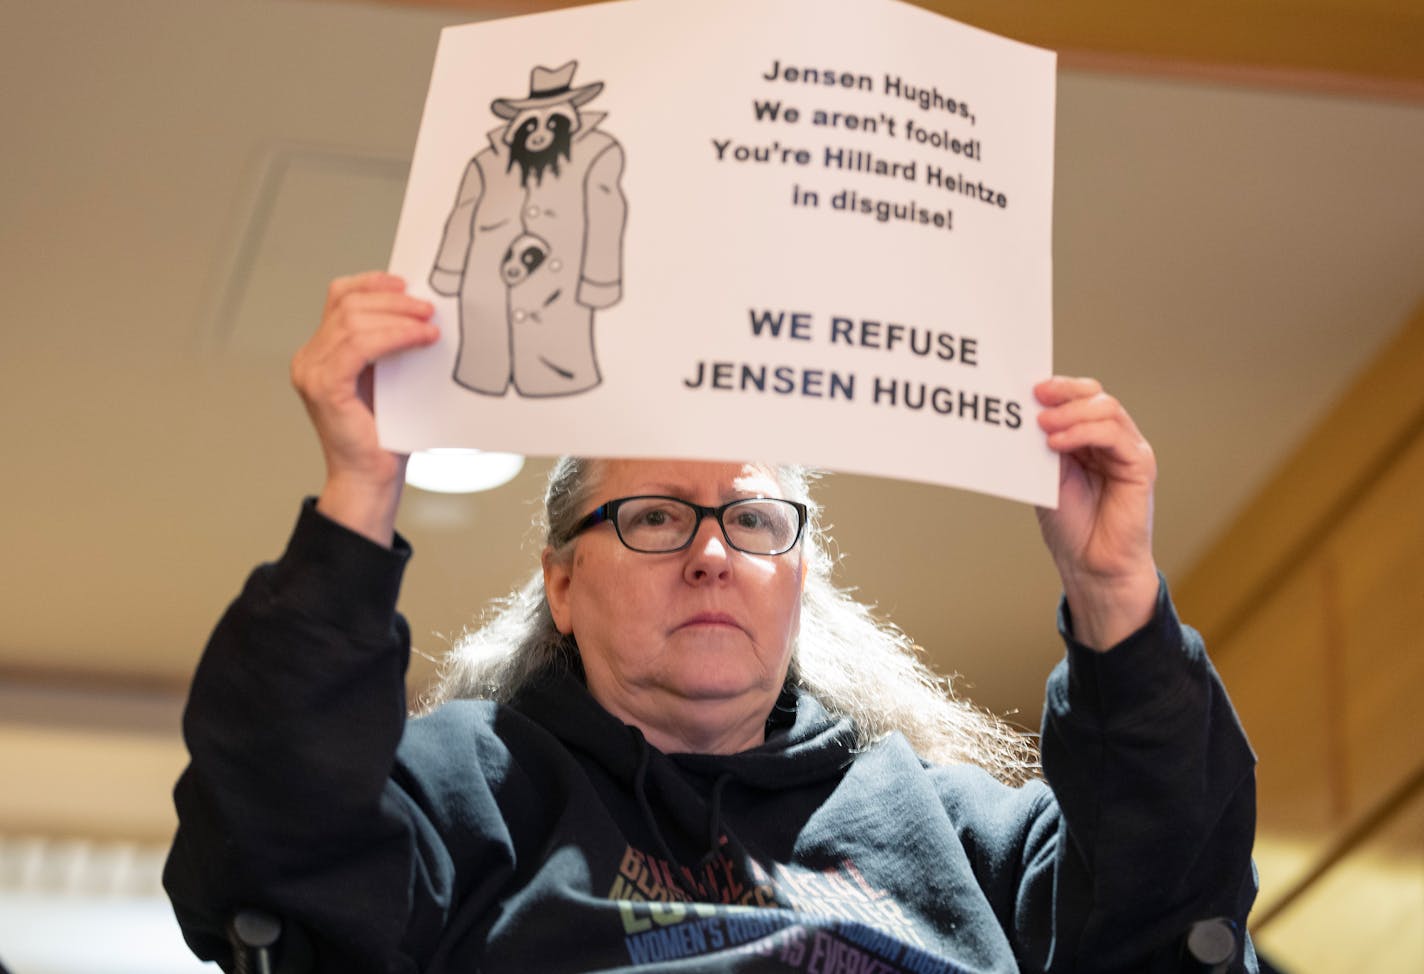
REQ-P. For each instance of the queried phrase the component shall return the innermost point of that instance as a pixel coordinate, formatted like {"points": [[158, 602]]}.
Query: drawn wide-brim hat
{"points": [[548, 86]]}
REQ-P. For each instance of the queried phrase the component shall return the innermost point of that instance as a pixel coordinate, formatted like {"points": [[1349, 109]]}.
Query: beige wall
{"points": [[1313, 604]]}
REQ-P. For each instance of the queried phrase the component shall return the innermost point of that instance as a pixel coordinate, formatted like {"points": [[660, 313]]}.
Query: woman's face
{"points": [[691, 646]]}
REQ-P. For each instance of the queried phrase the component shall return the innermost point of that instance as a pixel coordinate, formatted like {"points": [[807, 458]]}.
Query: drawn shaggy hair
{"points": [[858, 666]]}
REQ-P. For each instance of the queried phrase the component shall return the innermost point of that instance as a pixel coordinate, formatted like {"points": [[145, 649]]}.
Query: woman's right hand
{"points": [[366, 317]]}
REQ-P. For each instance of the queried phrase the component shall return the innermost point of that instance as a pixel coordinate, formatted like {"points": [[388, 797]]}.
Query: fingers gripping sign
{"points": [[1100, 536], [366, 317]]}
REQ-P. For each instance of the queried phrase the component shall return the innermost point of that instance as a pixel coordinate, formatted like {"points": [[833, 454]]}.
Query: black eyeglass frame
{"points": [[609, 512]]}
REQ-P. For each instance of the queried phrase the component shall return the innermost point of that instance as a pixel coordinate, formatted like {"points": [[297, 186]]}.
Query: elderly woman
{"points": [[680, 748]]}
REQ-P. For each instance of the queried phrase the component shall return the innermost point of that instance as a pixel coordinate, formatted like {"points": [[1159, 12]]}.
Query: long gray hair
{"points": [[857, 666]]}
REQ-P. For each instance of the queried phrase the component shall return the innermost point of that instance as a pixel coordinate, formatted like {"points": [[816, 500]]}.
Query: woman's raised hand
{"points": [[366, 317], [1101, 535]]}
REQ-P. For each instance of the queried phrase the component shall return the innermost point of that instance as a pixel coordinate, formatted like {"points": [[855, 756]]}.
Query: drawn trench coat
{"points": [[534, 327]]}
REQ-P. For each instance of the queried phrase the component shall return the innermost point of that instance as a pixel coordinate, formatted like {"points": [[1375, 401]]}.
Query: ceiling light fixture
{"points": [[452, 471]]}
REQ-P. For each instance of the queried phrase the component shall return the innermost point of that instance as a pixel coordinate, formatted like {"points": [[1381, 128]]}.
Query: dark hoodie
{"points": [[549, 836]]}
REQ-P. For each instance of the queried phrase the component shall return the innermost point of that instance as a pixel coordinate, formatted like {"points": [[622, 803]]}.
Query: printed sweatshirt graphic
{"points": [[534, 243]]}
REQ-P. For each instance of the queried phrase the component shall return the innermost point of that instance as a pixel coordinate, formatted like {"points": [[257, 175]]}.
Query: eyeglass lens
{"points": [[761, 526]]}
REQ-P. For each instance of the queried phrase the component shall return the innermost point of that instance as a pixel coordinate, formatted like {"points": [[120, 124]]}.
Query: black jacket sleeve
{"points": [[289, 803], [1155, 783]]}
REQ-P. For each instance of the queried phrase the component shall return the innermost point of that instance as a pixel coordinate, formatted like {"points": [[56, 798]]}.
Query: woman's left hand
{"points": [[1101, 535]]}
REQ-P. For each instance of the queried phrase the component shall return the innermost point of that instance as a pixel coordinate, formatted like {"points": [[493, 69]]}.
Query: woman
{"points": [[685, 757]]}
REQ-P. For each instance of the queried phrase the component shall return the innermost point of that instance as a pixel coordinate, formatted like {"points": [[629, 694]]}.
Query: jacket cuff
{"points": [[593, 294], [331, 573], [1148, 669], [446, 282]]}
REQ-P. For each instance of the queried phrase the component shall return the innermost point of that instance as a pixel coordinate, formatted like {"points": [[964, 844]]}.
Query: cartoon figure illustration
{"points": [[534, 244]]}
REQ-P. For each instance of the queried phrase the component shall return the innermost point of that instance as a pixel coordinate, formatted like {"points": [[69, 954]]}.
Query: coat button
{"points": [[532, 212], [519, 314]]}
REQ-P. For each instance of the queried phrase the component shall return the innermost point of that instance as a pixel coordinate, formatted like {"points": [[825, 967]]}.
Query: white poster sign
{"points": [[807, 231]]}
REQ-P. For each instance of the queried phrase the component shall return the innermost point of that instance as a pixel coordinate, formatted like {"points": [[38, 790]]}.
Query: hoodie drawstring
{"points": [[640, 791], [645, 805], [714, 820]]}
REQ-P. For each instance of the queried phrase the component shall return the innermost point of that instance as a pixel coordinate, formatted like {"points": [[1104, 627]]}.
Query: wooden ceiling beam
{"points": [[1356, 47]]}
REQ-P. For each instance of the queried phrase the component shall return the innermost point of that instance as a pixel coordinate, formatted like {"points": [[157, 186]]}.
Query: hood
{"points": [[680, 795]]}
